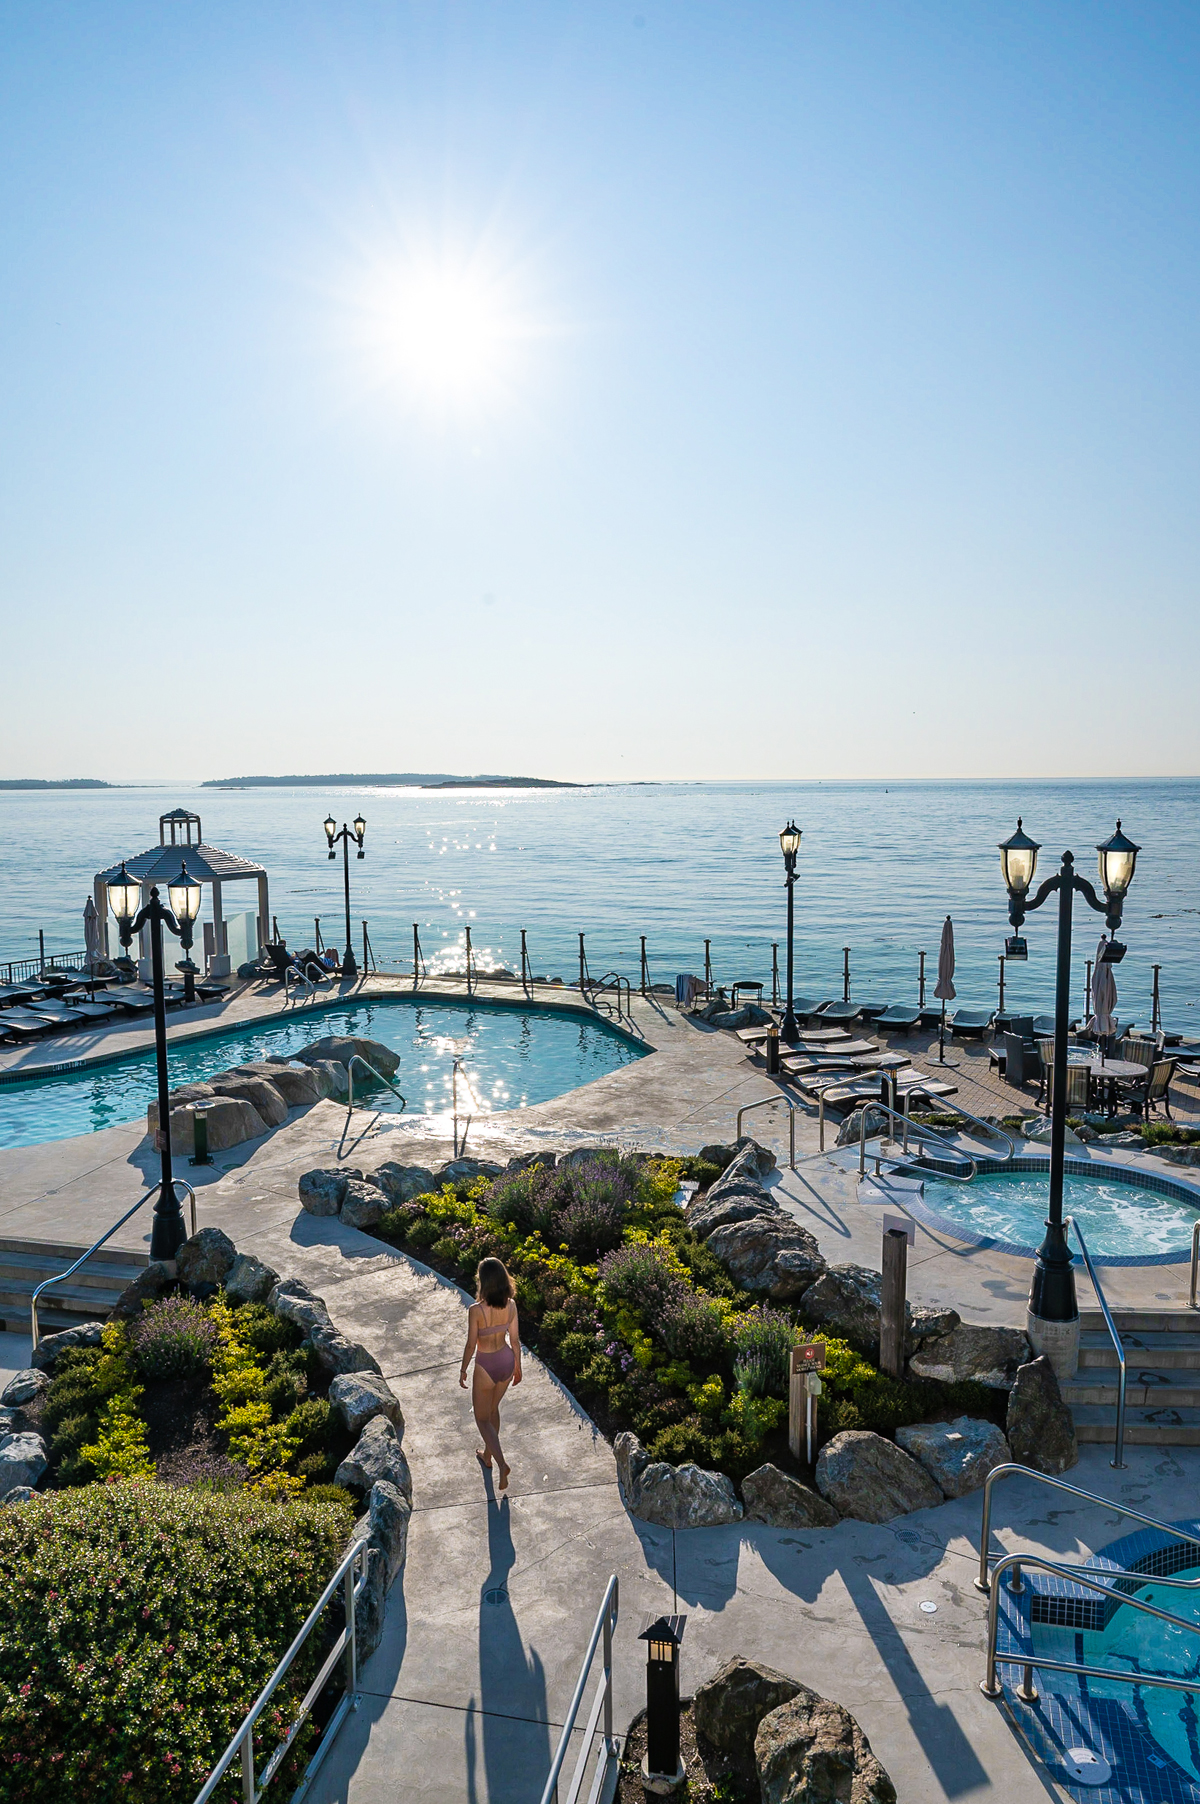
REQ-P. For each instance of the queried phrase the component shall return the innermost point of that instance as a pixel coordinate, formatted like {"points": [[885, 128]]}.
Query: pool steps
{"points": [[1162, 1353], [89, 1296]]}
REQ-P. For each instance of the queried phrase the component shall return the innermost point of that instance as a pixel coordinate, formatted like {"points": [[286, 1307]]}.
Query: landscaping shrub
{"points": [[640, 1277], [692, 1327], [264, 1332], [763, 1339], [526, 1199], [1166, 1133], [137, 1624], [591, 1224], [173, 1338]]}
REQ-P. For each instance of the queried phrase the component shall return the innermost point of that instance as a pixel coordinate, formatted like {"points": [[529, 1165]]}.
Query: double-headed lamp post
{"points": [[168, 1232], [789, 840], [1053, 1317], [349, 964]]}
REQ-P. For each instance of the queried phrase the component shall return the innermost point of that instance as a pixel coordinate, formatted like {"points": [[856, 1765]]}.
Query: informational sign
{"points": [[810, 1357], [807, 1361], [901, 1224]]}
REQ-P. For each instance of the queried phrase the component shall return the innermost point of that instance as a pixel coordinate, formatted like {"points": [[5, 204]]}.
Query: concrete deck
{"points": [[486, 1630]]}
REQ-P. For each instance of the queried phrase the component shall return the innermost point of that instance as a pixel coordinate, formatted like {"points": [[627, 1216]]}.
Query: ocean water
{"points": [[880, 866]]}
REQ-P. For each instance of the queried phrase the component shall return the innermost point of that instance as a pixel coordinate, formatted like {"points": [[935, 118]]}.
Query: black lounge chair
{"points": [[134, 1002], [23, 1024], [1043, 1026], [807, 1008], [57, 1013], [839, 1011], [970, 1023], [898, 1018], [16, 995]]}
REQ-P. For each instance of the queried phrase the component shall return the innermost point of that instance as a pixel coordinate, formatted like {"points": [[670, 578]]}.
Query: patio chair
{"points": [[1140, 1049], [1079, 1080], [23, 1024], [1144, 1094], [1043, 1027], [898, 1019], [1045, 1051], [1022, 1062], [131, 1000], [807, 1008]]}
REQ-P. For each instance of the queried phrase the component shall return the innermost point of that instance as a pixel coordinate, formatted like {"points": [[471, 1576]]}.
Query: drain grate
{"points": [[497, 1595]]}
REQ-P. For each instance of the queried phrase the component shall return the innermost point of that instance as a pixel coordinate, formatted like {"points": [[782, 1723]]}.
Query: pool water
{"points": [[511, 1059], [1120, 1220], [1135, 1642]]}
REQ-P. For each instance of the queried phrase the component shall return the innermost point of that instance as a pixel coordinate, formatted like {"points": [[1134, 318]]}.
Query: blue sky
{"points": [[600, 391]]}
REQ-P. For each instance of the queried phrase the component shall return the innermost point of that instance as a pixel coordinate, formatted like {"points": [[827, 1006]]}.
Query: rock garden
{"points": [[178, 1485], [668, 1295]]}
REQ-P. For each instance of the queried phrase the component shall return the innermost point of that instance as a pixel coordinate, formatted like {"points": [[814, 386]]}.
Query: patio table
{"points": [[1104, 1075]]}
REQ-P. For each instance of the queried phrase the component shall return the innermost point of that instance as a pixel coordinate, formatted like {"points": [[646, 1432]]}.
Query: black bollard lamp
{"points": [[663, 1636]]}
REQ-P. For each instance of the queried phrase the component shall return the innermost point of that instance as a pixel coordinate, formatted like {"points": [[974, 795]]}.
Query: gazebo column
{"points": [[145, 968], [220, 961], [100, 898], [264, 911]]}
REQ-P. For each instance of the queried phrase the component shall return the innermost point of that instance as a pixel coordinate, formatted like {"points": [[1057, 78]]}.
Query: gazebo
{"points": [[207, 864]]}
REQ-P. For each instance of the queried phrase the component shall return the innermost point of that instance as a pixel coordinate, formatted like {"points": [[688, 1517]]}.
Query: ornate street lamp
{"points": [[1052, 1322], [789, 840], [349, 965], [184, 894]]}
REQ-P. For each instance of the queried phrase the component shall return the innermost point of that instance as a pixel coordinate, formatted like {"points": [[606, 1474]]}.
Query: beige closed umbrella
{"points": [[1104, 998], [944, 989], [91, 941]]}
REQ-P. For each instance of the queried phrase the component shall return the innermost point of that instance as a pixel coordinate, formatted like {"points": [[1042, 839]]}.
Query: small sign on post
{"points": [[808, 1362]]}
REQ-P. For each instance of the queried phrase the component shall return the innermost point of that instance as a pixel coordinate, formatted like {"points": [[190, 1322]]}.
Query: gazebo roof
{"points": [[207, 864]]}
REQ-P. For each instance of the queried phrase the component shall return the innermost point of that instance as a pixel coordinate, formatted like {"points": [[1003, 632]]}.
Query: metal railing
{"points": [[989, 1127], [293, 979], [1117, 1462], [357, 1059], [781, 1101], [612, 980], [19, 970], [1012, 1470], [61, 1277], [926, 1133], [1195, 1262], [1088, 1581], [608, 1753], [345, 1648]]}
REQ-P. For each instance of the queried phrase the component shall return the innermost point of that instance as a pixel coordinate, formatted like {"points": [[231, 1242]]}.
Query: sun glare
{"points": [[450, 334]]}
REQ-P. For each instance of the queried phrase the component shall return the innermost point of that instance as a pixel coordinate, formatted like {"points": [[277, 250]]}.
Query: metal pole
{"points": [[317, 946], [366, 964], [1087, 992], [582, 968], [349, 968], [1001, 982], [645, 973], [790, 1030], [707, 969], [42, 951], [524, 964], [921, 980], [942, 1035], [274, 931], [468, 961], [845, 973], [1052, 1293], [1155, 1009], [168, 1232], [774, 973], [416, 955]]}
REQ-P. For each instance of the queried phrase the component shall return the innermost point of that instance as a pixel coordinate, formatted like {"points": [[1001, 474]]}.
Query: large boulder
{"points": [[725, 1154], [632, 1460], [385, 1526], [871, 1479], [322, 1190], [957, 1455], [248, 1280], [742, 1177], [376, 1458], [335, 1352], [774, 1497], [728, 1708], [230, 1119], [296, 1303], [356, 1398], [465, 1171], [262, 1096], [296, 1083], [987, 1355], [772, 1254], [341, 1048], [685, 1497], [153, 1281], [207, 1258], [331, 1078], [1040, 1427], [178, 1099], [24, 1387], [362, 1204], [707, 1213], [46, 1354], [23, 1459], [811, 1751], [847, 1301], [927, 1321], [401, 1183]]}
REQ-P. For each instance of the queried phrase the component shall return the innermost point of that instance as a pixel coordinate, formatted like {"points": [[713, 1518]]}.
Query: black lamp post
{"points": [[349, 966], [1053, 1318], [789, 840], [168, 1232], [663, 1636]]}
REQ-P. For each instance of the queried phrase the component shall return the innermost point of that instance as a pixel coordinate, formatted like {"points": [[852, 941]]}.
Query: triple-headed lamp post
{"points": [[789, 840], [168, 1232], [349, 965], [1053, 1317]]}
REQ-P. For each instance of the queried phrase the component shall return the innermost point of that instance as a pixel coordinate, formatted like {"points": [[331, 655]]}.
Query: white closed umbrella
{"points": [[91, 940], [944, 989], [1104, 997]]}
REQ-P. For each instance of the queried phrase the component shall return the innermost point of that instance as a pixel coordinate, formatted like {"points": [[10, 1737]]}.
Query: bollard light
{"points": [[663, 1636]]}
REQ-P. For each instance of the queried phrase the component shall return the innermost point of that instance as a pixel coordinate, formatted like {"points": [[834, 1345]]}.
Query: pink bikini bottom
{"points": [[499, 1365]]}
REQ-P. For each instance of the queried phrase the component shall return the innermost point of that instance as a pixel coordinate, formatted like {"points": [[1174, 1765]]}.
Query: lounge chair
{"points": [[807, 1008], [1043, 1027], [23, 1025], [839, 1011], [870, 1011], [898, 1019], [57, 1013], [16, 995], [970, 1023], [132, 1001], [91, 1011]]}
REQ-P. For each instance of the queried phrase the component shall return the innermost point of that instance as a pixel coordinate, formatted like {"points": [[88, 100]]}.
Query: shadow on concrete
{"points": [[378, 1682], [507, 1734]]}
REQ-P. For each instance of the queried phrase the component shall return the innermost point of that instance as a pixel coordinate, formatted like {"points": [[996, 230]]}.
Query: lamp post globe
{"points": [[1116, 859], [184, 895], [789, 843]]}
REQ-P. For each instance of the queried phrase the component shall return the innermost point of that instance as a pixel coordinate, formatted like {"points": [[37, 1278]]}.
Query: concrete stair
{"points": [[87, 1297], [1162, 1388]]}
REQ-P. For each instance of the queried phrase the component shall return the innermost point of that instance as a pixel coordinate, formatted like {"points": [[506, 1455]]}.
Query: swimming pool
{"points": [[1129, 1217], [512, 1057]]}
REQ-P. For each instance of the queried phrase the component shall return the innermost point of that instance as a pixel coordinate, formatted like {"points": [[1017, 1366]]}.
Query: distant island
{"points": [[53, 783], [399, 779]]}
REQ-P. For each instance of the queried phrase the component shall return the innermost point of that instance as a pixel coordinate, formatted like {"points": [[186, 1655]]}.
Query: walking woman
{"points": [[493, 1339]]}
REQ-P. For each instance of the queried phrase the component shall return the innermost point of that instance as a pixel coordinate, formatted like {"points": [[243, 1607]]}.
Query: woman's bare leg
{"points": [[485, 1401]]}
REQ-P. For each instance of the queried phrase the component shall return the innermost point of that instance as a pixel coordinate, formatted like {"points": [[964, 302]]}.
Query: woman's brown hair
{"points": [[493, 1285]]}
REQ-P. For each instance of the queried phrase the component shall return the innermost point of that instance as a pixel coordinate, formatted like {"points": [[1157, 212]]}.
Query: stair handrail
{"points": [[787, 1103], [1117, 1462], [925, 1133], [1087, 1581], [989, 1127], [357, 1059], [612, 980], [60, 1277], [606, 1622], [1195, 1262], [292, 978], [1012, 1469], [344, 1648]]}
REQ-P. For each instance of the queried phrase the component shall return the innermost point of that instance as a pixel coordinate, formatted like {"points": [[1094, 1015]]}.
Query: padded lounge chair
{"points": [[91, 1011], [807, 1008], [839, 1011], [898, 1019], [23, 1025], [132, 1001], [57, 1013], [970, 1023], [16, 995]]}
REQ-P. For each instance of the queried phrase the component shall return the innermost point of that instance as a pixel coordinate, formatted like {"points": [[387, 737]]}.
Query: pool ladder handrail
{"points": [[928, 1133], [1088, 1581], [357, 1059], [612, 980], [785, 1102], [1117, 1462], [1012, 1469], [298, 979], [61, 1277], [1195, 1262]]}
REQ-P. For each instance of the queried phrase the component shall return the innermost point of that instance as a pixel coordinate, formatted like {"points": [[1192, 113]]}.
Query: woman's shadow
{"points": [[510, 1720]]}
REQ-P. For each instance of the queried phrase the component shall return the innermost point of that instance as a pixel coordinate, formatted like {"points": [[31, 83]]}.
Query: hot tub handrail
{"points": [[357, 1059], [61, 1277], [1117, 1462], [1195, 1262], [989, 1127], [1012, 1469], [925, 1133], [765, 1102], [1076, 1576]]}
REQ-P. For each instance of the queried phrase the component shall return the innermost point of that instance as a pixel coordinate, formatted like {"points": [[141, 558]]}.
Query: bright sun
{"points": [[449, 334]]}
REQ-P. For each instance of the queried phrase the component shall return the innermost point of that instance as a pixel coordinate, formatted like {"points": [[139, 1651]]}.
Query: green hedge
{"points": [[137, 1624]]}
